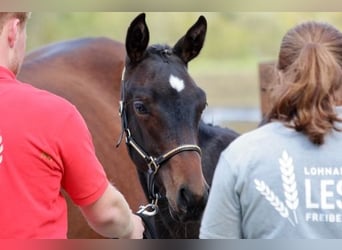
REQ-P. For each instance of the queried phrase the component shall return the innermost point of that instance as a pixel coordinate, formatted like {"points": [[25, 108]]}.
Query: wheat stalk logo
{"points": [[273, 199], [1, 149], [290, 190], [289, 183]]}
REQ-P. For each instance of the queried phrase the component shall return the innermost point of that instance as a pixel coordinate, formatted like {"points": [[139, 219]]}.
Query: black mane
{"points": [[163, 51]]}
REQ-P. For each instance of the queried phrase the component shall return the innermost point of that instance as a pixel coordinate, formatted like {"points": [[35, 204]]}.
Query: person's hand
{"points": [[137, 229]]}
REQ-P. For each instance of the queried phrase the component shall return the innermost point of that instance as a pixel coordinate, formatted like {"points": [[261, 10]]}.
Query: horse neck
{"points": [[213, 140]]}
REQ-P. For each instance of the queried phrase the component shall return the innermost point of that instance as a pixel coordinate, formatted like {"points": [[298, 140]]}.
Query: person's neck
{"points": [[4, 65], [4, 58]]}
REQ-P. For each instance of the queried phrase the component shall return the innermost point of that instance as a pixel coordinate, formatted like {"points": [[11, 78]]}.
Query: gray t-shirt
{"points": [[274, 183]]}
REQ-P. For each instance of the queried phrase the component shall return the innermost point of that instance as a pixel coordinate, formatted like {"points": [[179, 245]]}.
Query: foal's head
{"points": [[163, 107]]}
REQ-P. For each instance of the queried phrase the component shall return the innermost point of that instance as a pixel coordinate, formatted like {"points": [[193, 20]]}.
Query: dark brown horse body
{"points": [[87, 72]]}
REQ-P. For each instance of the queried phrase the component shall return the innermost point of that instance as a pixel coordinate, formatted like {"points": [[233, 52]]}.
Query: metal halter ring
{"points": [[149, 209]]}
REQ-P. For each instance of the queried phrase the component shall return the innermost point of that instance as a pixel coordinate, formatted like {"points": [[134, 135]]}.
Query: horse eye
{"points": [[140, 107]]}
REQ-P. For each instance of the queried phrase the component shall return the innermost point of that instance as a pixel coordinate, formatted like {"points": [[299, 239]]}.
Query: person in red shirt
{"points": [[45, 146]]}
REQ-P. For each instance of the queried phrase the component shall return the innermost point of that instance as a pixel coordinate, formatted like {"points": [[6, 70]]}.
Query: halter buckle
{"points": [[153, 165]]}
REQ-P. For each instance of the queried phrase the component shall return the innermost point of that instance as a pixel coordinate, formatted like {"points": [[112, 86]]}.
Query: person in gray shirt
{"points": [[284, 179]]}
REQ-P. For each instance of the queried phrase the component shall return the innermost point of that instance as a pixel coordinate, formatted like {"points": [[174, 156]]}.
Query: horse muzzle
{"points": [[190, 206]]}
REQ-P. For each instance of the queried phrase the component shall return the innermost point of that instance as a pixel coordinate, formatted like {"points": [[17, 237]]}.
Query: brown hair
{"points": [[22, 16], [310, 75]]}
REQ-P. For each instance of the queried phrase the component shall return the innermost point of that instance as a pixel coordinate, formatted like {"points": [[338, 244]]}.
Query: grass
{"points": [[240, 127], [228, 83]]}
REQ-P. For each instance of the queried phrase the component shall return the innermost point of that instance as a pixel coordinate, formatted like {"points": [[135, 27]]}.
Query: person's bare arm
{"points": [[111, 216]]}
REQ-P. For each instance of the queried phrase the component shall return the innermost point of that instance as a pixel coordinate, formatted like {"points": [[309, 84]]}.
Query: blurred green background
{"points": [[227, 68]]}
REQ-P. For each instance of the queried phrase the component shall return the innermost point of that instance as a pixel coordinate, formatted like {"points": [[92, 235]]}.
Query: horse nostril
{"points": [[191, 204], [185, 197]]}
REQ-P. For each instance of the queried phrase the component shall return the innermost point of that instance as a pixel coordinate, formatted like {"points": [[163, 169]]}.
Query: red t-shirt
{"points": [[44, 146]]}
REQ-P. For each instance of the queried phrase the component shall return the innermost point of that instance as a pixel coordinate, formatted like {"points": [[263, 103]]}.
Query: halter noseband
{"points": [[153, 163]]}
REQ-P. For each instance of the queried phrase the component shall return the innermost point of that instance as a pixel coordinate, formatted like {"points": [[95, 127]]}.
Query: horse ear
{"points": [[190, 45], [137, 38]]}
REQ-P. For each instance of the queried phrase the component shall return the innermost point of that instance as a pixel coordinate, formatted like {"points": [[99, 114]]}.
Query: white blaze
{"points": [[176, 83]]}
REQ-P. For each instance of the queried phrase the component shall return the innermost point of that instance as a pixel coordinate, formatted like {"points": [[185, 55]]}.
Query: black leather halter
{"points": [[153, 163]]}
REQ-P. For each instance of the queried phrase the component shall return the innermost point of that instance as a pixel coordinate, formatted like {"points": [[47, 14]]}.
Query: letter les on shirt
{"points": [[339, 191], [325, 194], [308, 198]]}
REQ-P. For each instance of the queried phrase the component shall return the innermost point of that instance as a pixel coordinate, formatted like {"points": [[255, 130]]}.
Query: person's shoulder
{"points": [[257, 139], [252, 146], [46, 100]]}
